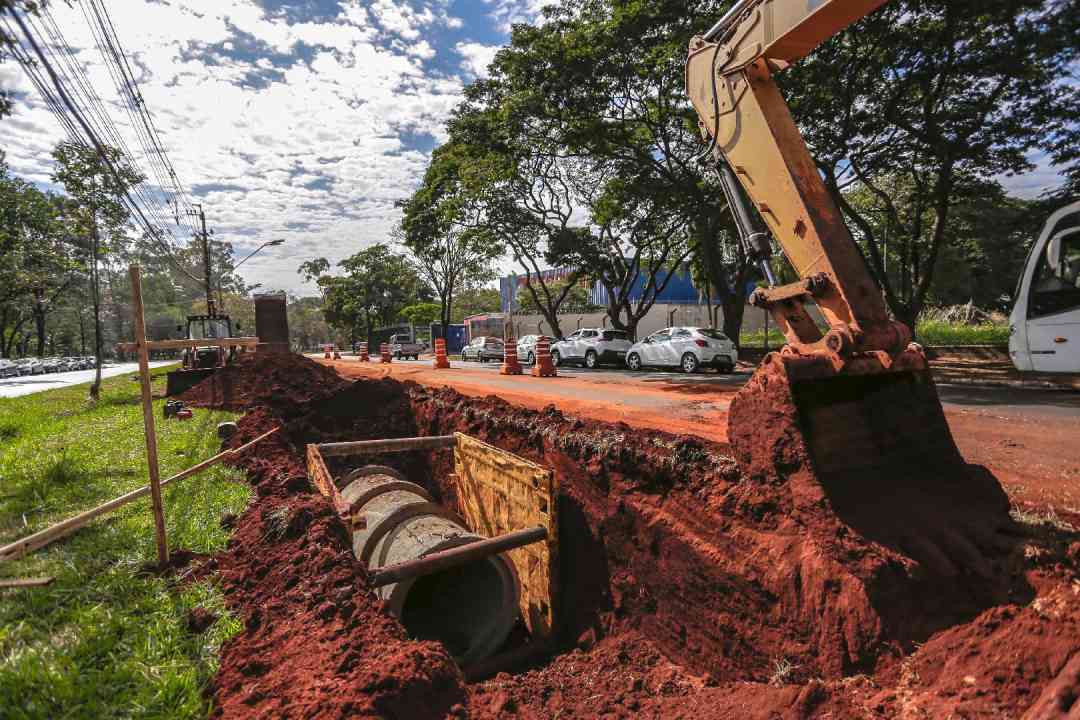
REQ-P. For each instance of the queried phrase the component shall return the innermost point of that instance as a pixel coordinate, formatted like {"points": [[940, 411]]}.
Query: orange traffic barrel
{"points": [[543, 367], [441, 361]]}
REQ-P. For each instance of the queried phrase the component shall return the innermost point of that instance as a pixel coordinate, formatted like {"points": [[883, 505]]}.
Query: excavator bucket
{"points": [[872, 443]]}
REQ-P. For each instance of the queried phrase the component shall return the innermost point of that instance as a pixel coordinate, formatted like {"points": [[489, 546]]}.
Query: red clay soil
{"points": [[1032, 455], [690, 590]]}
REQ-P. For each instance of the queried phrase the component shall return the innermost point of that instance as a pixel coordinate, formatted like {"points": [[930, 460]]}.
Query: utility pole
{"points": [[198, 212]]}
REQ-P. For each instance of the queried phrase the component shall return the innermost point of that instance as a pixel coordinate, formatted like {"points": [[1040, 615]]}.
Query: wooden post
{"points": [[148, 415]]}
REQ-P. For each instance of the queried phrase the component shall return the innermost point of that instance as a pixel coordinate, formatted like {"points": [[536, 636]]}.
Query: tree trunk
{"points": [[95, 387], [82, 333], [39, 321]]}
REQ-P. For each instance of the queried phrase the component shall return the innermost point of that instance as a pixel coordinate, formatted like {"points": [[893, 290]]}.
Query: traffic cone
{"points": [[510, 365], [384, 354], [363, 352], [441, 361], [543, 367]]}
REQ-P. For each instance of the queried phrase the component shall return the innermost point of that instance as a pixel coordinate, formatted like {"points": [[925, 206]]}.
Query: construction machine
{"points": [[849, 409]]}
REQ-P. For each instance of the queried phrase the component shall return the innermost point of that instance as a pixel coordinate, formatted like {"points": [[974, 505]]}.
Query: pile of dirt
{"points": [[316, 641], [286, 383], [689, 589]]}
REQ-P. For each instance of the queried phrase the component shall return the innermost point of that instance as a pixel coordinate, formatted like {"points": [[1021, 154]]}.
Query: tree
{"points": [[602, 80], [452, 250], [96, 184], [912, 111], [420, 314], [38, 260], [376, 285], [307, 325], [575, 299], [476, 301]]}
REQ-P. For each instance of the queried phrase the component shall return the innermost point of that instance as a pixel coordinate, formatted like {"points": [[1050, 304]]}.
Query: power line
{"points": [[59, 100]]}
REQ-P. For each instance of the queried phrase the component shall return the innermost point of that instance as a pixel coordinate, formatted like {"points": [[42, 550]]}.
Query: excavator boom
{"points": [[849, 408], [730, 82]]}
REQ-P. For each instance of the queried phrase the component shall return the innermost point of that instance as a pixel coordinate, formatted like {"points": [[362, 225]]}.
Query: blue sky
{"points": [[301, 120], [304, 120]]}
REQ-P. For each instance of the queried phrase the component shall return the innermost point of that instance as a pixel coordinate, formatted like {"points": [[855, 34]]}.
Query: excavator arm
{"points": [[848, 417], [729, 78]]}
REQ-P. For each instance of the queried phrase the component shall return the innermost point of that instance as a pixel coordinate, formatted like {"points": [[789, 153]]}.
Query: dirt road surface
{"points": [[1027, 437]]}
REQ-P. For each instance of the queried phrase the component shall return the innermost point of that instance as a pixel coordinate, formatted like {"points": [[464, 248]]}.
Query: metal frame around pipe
{"points": [[361, 447], [437, 562]]}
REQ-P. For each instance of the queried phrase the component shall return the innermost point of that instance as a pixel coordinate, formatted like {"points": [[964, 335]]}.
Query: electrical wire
{"points": [[57, 90]]}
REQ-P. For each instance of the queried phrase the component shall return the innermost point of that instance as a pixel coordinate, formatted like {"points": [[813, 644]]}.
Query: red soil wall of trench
{"points": [[684, 584]]}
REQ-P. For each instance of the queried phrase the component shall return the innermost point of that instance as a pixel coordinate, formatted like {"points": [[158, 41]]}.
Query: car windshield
{"points": [[615, 335], [712, 333]]}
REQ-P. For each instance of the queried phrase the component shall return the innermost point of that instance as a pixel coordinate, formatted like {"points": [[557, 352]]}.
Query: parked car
{"points": [[8, 368], [30, 366], [592, 347], [526, 348], [51, 364], [483, 348], [688, 348], [402, 346]]}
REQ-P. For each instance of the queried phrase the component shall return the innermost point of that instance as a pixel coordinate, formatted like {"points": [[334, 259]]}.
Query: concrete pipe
{"points": [[470, 608]]}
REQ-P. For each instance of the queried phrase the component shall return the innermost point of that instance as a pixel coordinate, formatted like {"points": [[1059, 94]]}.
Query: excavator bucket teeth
{"points": [[872, 444]]}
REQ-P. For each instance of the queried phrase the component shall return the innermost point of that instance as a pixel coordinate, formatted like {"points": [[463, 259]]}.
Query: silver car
{"points": [[688, 348], [526, 348]]}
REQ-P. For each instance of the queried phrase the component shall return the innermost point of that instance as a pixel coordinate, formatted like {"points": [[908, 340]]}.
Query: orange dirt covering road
{"points": [[1028, 439]]}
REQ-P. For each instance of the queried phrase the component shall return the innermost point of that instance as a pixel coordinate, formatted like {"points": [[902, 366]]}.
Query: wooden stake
{"points": [[24, 582], [62, 529], [148, 416]]}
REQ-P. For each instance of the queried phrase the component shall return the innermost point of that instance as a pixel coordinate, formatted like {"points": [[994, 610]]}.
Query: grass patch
{"points": [[756, 339], [106, 640], [927, 332], [938, 332]]}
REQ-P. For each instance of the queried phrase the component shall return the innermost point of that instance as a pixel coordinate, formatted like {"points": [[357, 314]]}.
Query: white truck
{"points": [[1044, 327]]}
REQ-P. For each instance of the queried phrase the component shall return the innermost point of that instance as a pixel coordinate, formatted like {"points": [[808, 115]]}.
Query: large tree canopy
{"points": [[921, 107]]}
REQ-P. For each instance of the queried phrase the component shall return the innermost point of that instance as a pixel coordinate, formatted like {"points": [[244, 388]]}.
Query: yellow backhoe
{"points": [[851, 407]]}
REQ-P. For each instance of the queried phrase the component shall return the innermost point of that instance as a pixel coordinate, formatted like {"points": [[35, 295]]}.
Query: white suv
{"points": [[592, 347], [684, 347]]}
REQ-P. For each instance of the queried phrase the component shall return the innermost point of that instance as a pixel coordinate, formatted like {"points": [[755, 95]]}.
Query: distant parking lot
{"points": [[16, 386]]}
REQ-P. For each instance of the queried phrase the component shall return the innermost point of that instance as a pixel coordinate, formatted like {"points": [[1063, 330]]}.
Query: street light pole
{"points": [[266, 244]]}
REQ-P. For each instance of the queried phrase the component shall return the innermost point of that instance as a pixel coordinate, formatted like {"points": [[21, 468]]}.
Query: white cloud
{"points": [[477, 57], [508, 13], [312, 152]]}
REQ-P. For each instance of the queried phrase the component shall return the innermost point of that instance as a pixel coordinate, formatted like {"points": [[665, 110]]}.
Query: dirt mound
{"points": [[690, 590], [316, 642], [285, 382]]}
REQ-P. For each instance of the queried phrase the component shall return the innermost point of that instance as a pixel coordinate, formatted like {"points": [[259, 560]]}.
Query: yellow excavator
{"points": [[852, 408]]}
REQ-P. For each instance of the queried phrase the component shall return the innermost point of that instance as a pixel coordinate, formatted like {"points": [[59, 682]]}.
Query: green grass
{"points": [[757, 339], [928, 332], [937, 332], [107, 640]]}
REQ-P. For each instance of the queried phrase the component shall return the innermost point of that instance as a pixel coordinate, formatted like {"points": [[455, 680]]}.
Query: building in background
{"points": [[485, 325], [679, 291]]}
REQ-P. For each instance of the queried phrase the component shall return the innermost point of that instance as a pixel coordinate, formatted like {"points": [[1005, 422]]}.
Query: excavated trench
{"points": [[687, 589]]}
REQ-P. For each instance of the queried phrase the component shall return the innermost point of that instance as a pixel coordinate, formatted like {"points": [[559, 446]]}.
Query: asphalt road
{"points": [[27, 384], [1004, 402]]}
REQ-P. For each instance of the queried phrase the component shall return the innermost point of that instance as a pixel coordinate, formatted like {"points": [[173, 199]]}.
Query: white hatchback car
{"points": [[592, 347], [688, 348]]}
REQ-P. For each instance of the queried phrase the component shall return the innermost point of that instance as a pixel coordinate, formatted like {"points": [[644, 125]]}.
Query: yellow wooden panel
{"points": [[323, 480], [500, 492]]}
